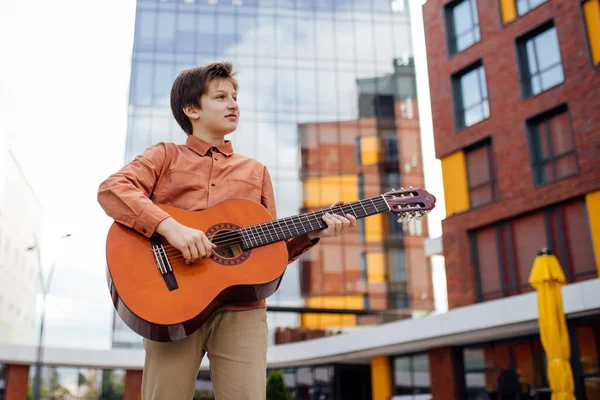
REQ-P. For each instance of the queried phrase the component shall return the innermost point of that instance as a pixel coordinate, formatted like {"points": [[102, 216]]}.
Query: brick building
{"points": [[381, 266], [515, 89]]}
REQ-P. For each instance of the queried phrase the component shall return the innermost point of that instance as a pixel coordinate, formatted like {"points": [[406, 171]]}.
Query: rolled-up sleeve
{"points": [[295, 246], [125, 195]]}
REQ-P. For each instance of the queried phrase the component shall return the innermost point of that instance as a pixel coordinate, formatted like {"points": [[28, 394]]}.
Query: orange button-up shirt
{"points": [[194, 176]]}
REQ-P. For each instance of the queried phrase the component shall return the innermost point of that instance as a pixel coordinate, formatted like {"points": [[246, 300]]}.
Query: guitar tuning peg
{"points": [[401, 188], [410, 188]]}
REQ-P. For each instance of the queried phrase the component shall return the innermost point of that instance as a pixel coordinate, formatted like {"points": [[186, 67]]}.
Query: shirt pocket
{"points": [[245, 189], [182, 189]]}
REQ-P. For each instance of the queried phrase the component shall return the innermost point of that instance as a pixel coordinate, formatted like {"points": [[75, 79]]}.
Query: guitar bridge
{"points": [[162, 263]]}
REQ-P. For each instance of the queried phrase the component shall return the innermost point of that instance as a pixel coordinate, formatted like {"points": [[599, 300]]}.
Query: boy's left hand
{"points": [[336, 224]]}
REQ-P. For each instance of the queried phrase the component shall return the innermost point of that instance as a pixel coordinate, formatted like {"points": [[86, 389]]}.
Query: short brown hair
{"points": [[191, 84]]}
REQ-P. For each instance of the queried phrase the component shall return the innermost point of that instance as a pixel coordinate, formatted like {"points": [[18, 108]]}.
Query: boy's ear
{"points": [[192, 112]]}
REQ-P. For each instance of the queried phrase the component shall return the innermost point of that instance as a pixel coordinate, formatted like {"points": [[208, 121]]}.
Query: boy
{"points": [[200, 174]]}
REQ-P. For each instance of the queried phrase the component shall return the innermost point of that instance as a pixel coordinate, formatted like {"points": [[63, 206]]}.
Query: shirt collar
{"points": [[201, 147]]}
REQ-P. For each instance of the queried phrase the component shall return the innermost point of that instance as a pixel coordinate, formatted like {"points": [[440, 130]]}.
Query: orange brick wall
{"points": [[16, 382]]}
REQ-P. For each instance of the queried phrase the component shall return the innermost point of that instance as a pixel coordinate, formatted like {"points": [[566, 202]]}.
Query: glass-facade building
{"points": [[327, 95]]}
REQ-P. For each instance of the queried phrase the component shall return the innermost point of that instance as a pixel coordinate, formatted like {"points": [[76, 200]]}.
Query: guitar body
{"points": [[142, 296]]}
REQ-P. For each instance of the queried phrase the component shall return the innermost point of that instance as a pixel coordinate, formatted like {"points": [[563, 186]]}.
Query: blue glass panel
{"points": [[141, 88], [146, 30], [206, 39], [185, 33], [165, 38]]}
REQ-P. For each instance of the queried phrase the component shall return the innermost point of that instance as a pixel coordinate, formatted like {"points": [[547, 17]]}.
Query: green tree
{"points": [[112, 385], [276, 389]]}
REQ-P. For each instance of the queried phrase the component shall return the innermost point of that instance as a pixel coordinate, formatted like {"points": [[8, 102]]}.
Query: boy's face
{"points": [[220, 113]]}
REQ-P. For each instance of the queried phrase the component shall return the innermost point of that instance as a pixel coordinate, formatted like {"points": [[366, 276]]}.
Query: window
{"points": [[462, 25], [3, 378], [357, 150], [504, 370], [552, 146], [539, 60], [523, 6], [363, 267], [391, 147], [470, 96], [480, 174], [411, 375], [591, 12], [503, 253], [398, 265]]}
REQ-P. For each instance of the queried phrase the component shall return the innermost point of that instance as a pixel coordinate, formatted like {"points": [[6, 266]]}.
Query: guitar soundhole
{"points": [[229, 243], [231, 247]]}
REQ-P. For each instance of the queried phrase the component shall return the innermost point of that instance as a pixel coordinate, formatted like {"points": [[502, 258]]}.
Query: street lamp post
{"points": [[45, 286]]}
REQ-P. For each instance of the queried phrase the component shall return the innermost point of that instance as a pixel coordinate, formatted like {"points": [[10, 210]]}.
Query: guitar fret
{"points": [[374, 205], [302, 225], [352, 209], [310, 223], [244, 242], [258, 236], [281, 229], [286, 225], [363, 207]]}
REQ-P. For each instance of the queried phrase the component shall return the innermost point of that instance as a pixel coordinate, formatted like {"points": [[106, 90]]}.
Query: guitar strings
{"points": [[299, 223], [236, 237]]}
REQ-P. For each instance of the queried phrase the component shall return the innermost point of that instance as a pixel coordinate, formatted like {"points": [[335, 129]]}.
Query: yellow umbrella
{"points": [[548, 278]]}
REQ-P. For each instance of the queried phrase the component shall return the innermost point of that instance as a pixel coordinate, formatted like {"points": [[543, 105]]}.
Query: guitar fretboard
{"points": [[298, 225]]}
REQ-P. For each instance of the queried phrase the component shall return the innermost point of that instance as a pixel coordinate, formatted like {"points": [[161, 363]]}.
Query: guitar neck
{"points": [[298, 225]]}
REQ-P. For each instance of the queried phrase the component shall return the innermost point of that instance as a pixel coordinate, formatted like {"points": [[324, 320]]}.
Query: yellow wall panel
{"points": [[456, 189], [381, 378], [592, 201], [369, 150], [376, 267], [324, 321], [591, 10], [323, 191], [509, 10], [374, 228]]}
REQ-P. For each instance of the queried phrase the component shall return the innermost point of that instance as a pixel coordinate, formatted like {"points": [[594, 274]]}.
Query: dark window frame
{"points": [[525, 75], [457, 96], [487, 144], [411, 357], [509, 285], [529, 9], [451, 34], [537, 162], [364, 274]]}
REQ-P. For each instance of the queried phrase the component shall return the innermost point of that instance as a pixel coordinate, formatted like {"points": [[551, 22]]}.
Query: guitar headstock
{"points": [[409, 203]]}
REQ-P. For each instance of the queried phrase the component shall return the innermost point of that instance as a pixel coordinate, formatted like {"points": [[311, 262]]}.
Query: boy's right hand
{"points": [[192, 243]]}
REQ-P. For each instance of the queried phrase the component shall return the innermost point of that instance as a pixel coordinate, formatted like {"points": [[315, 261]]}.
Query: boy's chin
{"points": [[226, 130]]}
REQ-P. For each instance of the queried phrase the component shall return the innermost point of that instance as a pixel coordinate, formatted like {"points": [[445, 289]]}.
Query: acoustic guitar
{"points": [[164, 299]]}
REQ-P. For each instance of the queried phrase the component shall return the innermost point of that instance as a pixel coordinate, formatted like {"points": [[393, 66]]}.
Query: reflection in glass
{"points": [[327, 94], [471, 97], [463, 25], [524, 6], [543, 63]]}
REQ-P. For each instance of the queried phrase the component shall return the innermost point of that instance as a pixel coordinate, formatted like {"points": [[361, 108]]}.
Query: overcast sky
{"points": [[64, 82]]}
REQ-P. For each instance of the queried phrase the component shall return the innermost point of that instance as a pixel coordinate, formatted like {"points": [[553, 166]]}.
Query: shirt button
{"points": [[212, 184], [216, 159]]}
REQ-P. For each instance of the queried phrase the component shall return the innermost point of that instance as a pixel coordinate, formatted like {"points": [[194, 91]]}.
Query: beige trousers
{"points": [[236, 344]]}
